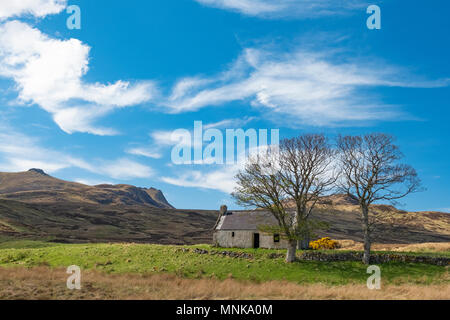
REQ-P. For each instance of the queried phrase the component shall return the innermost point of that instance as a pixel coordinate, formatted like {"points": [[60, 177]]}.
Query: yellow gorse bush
{"points": [[324, 244]]}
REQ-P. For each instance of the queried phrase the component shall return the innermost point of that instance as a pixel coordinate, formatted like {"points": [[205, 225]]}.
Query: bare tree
{"points": [[371, 172], [288, 182]]}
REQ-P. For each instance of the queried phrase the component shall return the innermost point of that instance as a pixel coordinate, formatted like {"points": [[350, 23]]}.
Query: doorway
{"points": [[256, 240]]}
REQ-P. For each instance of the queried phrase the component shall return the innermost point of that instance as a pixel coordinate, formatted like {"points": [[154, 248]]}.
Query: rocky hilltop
{"points": [[35, 186]]}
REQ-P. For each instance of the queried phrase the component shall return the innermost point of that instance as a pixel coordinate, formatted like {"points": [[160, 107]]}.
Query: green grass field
{"points": [[155, 259]]}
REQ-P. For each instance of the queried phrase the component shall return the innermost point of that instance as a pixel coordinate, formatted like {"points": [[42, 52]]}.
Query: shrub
{"points": [[324, 244]]}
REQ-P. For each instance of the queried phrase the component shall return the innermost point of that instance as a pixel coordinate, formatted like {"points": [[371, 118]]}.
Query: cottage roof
{"points": [[245, 220]]}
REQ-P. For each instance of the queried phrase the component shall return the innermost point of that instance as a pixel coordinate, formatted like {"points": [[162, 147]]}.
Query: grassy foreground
{"points": [[50, 283], [148, 260]]}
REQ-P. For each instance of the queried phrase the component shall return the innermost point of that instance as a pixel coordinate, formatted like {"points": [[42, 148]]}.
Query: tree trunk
{"points": [[302, 244], [292, 248], [367, 241], [367, 245]]}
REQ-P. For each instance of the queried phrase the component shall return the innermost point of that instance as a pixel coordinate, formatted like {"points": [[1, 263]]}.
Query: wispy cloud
{"points": [[37, 8], [287, 8], [19, 152], [229, 123], [91, 182], [165, 137], [216, 177], [144, 152], [300, 87], [48, 72], [125, 169], [219, 179]]}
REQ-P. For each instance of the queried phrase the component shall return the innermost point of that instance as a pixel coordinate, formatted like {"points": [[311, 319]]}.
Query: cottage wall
{"points": [[241, 239], [244, 239], [266, 241]]}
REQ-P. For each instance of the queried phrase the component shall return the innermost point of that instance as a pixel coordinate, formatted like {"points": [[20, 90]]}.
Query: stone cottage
{"points": [[239, 229]]}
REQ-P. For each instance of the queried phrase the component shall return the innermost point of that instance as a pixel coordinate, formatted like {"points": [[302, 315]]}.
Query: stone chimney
{"points": [[223, 210]]}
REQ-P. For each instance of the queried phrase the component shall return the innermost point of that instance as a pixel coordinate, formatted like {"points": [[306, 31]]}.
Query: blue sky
{"points": [[97, 105]]}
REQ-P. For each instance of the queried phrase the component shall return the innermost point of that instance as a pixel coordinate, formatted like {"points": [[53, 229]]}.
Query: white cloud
{"points": [[144, 152], [287, 8], [165, 138], [48, 72], [184, 137], [218, 177], [302, 87], [229, 123], [90, 182], [221, 179], [125, 169], [161, 140], [37, 8], [19, 152]]}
